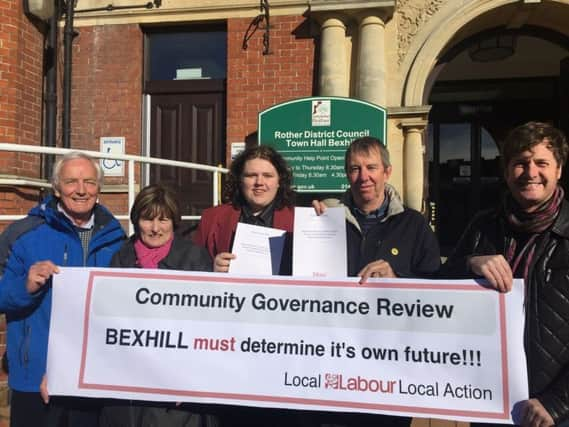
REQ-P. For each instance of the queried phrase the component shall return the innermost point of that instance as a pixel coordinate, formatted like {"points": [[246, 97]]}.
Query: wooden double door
{"points": [[187, 123]]}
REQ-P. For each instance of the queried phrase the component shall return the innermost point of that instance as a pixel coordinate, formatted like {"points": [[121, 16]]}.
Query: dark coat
{"points": [[403, 239], [183, 255], [547, 301]]}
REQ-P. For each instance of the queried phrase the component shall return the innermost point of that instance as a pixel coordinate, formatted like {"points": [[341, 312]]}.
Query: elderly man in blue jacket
{"points": [[67, 229]]}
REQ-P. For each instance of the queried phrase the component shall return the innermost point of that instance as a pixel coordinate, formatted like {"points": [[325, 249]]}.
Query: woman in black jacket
{"points": [[156, 216]]}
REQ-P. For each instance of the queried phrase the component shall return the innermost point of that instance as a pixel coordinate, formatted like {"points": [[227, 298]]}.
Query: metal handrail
{"points": [[129, 158]]}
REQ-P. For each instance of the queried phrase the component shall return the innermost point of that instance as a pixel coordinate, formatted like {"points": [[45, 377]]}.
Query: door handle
{"points": [[433, 216]]}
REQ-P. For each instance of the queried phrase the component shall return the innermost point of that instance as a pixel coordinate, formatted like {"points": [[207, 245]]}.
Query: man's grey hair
{"points": [[366, 145], [74, 155]]}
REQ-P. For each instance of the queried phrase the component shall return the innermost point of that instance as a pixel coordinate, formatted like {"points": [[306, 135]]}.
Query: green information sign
{"points": [[312, 134]]}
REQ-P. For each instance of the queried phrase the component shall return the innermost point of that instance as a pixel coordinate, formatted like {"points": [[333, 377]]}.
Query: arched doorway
{"points": [[485, 85], [474, 104]]}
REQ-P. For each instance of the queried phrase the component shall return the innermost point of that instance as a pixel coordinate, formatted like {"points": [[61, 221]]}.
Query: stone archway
{"points": [[426, 31], [441, 20]]}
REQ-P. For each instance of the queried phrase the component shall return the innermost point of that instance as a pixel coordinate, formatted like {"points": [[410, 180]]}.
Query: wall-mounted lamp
{"points": [[263, 17], [41, 9], [493, 48]]}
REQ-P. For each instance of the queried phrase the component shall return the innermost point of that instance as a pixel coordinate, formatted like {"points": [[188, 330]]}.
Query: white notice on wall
{"points": [[112, 145]]}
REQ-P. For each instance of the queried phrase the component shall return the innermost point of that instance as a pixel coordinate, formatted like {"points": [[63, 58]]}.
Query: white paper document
{"points": [[258, 250], [319, 248]]}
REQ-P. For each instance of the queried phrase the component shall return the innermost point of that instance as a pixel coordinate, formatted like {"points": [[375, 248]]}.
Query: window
{"points": [[186, 55]]}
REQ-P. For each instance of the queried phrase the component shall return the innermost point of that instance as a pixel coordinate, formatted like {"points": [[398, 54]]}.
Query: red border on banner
{"points": [[504, 415]]}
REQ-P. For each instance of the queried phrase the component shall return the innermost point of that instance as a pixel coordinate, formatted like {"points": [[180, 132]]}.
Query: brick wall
{"points": [[256, 81], [107, 87], [106, 97], [21, 51]]}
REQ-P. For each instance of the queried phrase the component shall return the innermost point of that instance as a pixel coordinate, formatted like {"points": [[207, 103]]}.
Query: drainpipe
{"points": [[68, 36], [51, 89]]}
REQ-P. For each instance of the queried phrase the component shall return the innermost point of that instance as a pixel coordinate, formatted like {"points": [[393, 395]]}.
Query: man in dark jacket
{"points": [[384, 239], [73, 230], [527, 237]]}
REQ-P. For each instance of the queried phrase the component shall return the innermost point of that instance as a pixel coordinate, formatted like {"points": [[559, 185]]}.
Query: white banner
{"points": [[444, 349]]}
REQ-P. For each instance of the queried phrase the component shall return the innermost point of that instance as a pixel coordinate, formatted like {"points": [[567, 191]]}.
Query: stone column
{"points": [[413, 155], [412, 122], [333, 79], [370, 84]]}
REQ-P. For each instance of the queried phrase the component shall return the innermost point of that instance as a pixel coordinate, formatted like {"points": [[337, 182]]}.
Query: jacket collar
{"points": [[176, 255], [47, 209], [172, 261], [395, 205]]}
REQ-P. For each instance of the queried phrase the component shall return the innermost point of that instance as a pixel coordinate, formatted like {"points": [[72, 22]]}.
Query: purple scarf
{"points": [[532, 223], [150, 257]]}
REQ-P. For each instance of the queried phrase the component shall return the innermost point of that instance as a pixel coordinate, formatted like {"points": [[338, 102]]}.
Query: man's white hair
{"points": [[74, 155]]}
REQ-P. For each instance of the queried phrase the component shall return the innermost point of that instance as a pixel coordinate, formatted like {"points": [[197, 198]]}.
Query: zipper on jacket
{"points": [[25, 347], [542, 247], [65, 255], [362, 251], [377, 246]]}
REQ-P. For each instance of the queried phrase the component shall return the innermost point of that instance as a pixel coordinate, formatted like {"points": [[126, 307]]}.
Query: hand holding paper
{"points": [[258, 250], [222, 262]]}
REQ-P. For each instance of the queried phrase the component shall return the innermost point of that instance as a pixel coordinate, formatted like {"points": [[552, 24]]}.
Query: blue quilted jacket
{"points": [[28, 315]]}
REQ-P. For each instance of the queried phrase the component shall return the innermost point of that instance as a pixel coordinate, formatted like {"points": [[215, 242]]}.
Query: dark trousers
{"points": [[242, 416], [28, 409], [128, 413], [352, 419], [245, 416], [489, 425]]}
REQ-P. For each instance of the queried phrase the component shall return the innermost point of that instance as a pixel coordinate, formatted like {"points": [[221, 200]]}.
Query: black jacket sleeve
{"points": [[427, 254], [471, 243]]}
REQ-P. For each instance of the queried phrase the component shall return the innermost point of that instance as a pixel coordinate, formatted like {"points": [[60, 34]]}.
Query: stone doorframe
{"points": [[427, 41]]}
